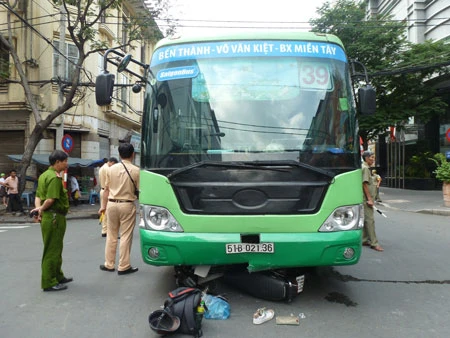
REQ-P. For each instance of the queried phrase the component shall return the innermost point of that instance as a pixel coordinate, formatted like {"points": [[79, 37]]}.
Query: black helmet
{"points": [[162, 322]]}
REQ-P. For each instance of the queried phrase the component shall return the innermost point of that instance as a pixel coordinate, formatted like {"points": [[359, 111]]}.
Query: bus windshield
{"points": [[248, 106]]}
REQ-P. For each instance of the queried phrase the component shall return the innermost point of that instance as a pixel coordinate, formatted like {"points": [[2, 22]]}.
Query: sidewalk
{"points": [[81, 211], [422, 201]]}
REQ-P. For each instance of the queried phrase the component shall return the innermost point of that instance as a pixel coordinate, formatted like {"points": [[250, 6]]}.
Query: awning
{"points": [[73, 161]]}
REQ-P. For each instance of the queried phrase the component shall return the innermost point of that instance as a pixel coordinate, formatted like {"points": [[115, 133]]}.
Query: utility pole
{"points": [[61, 75]]}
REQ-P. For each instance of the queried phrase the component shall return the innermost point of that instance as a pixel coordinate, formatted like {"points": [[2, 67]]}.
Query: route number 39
{"points": [[315, 76]]}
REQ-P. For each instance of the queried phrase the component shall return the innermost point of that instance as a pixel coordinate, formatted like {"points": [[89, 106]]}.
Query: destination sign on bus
{"points": [[247, 48]]}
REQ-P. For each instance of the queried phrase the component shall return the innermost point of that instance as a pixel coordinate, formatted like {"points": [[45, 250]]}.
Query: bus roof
{"points": [[248, 35]]}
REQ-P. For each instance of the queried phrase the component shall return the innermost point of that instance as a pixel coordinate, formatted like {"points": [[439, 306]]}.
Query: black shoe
{"points": [[57, 287], [66, 280], [127, 271], [103, 235], [104, 268]]}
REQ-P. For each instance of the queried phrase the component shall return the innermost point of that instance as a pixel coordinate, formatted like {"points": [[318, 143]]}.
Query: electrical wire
{"points": [[244, 24], [36, 32], [200, 23]]}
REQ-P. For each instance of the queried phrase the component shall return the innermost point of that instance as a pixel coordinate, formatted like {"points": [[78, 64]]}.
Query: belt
{"points": [[120, 201], [56, 212]]}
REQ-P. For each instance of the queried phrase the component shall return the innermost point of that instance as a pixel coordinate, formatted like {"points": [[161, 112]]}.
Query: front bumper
{"points": [[291, 249]]}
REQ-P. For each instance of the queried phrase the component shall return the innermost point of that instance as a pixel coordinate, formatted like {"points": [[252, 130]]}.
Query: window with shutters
{"points": [[69, 60], [4, 63]]}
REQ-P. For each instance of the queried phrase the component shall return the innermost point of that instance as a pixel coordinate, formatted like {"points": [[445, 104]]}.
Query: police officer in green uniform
{"points": [[52, 205]]}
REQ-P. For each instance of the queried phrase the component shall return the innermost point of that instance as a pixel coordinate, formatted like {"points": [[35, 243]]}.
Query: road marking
{"points": [[14, 227]]}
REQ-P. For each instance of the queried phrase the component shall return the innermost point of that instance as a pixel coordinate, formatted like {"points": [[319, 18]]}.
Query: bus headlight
{"points": [[157, 218], [349, 217]]}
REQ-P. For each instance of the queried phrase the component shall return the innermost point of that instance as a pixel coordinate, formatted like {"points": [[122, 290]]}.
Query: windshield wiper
{"points": [[292, 163], [241, 165], [262, 165]]}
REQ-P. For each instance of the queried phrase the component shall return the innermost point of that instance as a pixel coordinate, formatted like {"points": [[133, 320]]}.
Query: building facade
{"points": [[96, 131], [426, 20]]}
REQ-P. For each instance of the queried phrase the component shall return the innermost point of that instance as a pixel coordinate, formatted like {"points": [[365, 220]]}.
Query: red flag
{"points": [[392, 131]]}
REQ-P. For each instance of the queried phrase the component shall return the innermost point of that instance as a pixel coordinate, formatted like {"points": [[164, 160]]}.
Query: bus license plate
{"points": [[236, 248]]}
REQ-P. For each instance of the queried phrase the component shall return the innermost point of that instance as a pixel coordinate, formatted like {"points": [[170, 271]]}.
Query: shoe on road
{"points": [[104, 268], [127, 271], [57, 287], [263, 315], [66, 280]]}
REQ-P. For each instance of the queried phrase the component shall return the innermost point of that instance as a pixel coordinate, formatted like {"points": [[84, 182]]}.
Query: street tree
{"points": [[401, 72], [81, 23]]}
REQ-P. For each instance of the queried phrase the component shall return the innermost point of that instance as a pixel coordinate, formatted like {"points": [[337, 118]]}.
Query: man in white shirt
{"points": [[3, 193], [74, 187]]}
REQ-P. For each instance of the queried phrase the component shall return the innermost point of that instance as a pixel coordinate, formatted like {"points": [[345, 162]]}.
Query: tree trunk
{"points": [[33, 141]]}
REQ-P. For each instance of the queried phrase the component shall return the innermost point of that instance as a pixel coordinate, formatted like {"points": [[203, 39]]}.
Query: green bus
{"points": [[250, 152]]}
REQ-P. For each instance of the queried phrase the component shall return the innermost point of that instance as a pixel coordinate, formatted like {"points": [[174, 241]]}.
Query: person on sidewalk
{"points": [[369, 191], [122, 180], [102, 178], [14, 199], [74, 190], [52, 205], [3, 193]]}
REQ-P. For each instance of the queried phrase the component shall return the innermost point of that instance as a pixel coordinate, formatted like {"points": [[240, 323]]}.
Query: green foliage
{"points": [[397, 69], [86, 14], [420, 165], [442, 171], [161, 9]]}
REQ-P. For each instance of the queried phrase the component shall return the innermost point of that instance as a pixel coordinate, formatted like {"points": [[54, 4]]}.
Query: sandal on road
{"points": [[262, 315], [377, 248]]}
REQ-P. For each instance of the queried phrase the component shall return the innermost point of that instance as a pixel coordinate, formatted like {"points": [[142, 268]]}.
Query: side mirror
{"points": [[124, 63], [104, 85], [367, 100]]}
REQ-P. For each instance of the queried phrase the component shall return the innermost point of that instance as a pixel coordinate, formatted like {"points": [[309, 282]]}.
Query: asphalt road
{"points": [[402, 292]]}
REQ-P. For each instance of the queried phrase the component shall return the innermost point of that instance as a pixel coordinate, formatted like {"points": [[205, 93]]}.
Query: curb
{"points": [[83, 216], [439, 212], [434, 212], [11, 220]]}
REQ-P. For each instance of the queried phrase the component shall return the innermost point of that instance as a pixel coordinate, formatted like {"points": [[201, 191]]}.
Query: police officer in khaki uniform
{"points": [[102, 177], [122, 180]]}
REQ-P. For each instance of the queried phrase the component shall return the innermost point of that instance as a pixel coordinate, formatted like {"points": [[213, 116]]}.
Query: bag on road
{"points": [[179, 314]]}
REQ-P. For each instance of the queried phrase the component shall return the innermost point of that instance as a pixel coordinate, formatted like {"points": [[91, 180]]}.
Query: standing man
{"points": [[52, 205], [74, 187], [3, 189], [14, 200], [369, 190], [122, 180], [102, 178]]}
